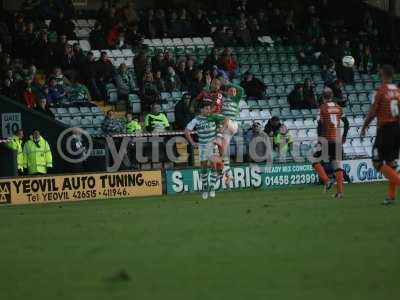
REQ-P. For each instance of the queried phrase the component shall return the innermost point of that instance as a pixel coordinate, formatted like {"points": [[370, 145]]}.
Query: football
{"points": [[348, 61]]}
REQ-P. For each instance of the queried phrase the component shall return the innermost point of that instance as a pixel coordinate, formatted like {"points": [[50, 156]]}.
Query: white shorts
{"points": [[207, 152], [231, 130]]}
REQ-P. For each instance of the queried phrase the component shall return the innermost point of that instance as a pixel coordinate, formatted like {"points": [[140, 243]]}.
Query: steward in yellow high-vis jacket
{"points": [[15, 144], [38, 156]]}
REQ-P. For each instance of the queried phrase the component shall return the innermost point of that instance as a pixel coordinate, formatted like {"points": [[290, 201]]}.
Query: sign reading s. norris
{"points": [[248, 176], [80, 187]]}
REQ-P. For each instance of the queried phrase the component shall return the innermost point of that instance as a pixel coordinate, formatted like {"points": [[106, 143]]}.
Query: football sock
{"points": [[390, 174], [392, 191], [204, 179], [213, 179], [321, 172], [227, 165], [339, 180]]}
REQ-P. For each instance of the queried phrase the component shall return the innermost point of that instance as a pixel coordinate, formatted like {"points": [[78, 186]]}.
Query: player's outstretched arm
{"points": [[346, 127], [370, 117]]}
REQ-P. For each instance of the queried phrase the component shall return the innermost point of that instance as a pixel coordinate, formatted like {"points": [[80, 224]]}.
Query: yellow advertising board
{"points": [[49, 189]]}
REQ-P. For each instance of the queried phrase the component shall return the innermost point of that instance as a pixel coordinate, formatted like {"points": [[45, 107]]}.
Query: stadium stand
{"points": [[274, 57]]}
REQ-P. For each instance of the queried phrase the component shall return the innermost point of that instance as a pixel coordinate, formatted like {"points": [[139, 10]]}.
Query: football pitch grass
{"points": [[296, 243]]}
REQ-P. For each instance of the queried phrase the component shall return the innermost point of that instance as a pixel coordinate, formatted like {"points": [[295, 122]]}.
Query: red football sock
{"points": [[339, 180], [390, 174], [392, 191], [321, 172]]}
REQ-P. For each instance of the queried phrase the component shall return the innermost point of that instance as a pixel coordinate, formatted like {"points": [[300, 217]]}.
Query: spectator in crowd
{"points": [[148, 25], [253, 136], [254, 29], [335, 50], [253, 87], [296, 97], [201, 24], [190, 67], [161, 24], [230, 34], [156, 121], [278, 132], [111, 125], [103, 74], [8, 89], [37, 152], [15, 143], [211, 60], [133, 38], [61, 80], [196, 84], [220, 37], [124, 81], [44, 108], [329, 74], [114, 35], [283, 142], [43, 52], [157, 62], [79, 55], [367, 63], [183, 114], [59, 47], [309, 94], [338, 95], [228, 63], [168, 61], [149, 92], [172, 81], [159, 82], [69, 61], [132, 125], [63, 26], [181, 72], [140, 63], [78, 93], [97, 37], [174, 25], [29, 97], [243, 35], [56, 92], [314, 31], [46, 95]]}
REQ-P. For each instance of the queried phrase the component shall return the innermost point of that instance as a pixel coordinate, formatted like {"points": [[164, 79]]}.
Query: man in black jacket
{"points": [[183, 114], [253, 87]]}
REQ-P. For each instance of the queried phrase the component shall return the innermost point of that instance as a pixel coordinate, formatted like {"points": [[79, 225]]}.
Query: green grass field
{"points": [[281, 244]]}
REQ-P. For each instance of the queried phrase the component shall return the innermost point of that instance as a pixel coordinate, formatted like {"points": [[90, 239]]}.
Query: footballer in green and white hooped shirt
{"points": [[230, 110], [205, 125]]}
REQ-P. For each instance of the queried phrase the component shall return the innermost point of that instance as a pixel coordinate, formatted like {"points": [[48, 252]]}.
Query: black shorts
{"points": [[387, 143], [334, 151]]}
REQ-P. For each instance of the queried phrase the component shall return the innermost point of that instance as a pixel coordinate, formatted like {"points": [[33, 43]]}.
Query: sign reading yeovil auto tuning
{"points": [[80, 187]]}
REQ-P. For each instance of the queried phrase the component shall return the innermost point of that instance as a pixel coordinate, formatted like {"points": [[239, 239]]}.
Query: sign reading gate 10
{"points": [[10, 123]]}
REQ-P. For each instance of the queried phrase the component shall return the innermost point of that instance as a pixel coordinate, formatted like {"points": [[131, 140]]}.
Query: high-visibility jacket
{"points": [[37, 156], [133, 127], [15, 144]]}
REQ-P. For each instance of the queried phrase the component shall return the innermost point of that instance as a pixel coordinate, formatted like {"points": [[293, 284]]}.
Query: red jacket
{"points": [[113, 36], [29, 99], [229, 64]]}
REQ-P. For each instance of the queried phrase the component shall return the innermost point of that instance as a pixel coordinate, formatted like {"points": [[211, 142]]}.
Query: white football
{"points": [[348, 61]]}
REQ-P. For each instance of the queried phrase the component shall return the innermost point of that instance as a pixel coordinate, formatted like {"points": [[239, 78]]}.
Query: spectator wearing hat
{"points": [[253, 87]]}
